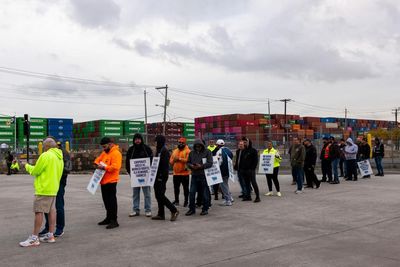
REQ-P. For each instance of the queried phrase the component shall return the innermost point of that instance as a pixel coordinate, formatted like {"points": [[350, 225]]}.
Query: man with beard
{"points": [[137, 151], [112, 160], [181, 173], [309, 165], [161, 181], [199, 159]]}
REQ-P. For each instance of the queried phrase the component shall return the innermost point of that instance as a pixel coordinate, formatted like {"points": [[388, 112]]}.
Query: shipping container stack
{"points": [[130, 129], [38, 131], [7, 132], [173, 131], [189, 132], [61, 129]]}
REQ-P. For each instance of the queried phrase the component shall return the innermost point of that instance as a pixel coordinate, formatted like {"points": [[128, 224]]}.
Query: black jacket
{"points": [[311, 156], [196, 158], [67, 167], [364, 151], [137, 152], [334, 151], [322, 155], [246, 159], [378, 150], [163, 153]]}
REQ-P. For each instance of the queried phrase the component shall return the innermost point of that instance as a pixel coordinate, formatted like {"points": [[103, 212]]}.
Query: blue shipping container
{"points": [[63, 128], [56, 121], [59, 134]]}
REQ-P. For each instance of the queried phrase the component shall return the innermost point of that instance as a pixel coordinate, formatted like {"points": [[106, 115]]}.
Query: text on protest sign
{"points": [[266, 163], [213, 174], [140, 169]]}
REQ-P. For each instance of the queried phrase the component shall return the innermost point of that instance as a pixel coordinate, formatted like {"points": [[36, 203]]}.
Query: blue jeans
{"points": [[335, 164], [147, 198], [60, 223], [378, 162], [298, 174], [199, 184], [225, 189]]}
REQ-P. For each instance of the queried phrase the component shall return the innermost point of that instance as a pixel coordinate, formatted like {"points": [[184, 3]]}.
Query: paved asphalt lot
{"points": [[351, 224]]}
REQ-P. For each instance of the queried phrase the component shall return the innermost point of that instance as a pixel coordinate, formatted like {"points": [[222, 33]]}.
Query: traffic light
{"points": [[26, 125]]}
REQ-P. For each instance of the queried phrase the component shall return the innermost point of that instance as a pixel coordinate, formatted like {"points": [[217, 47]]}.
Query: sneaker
{"points": [[112, 225], [299, 191], [174, 216], [148, 213], [269, 194], [48, 238], [279, 194], [58, 233], [134, 214], [232, 200], [30, 242], [43, 232]]}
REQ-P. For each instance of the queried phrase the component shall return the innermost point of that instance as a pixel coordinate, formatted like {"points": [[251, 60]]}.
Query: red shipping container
{"points": [[247, 123]]}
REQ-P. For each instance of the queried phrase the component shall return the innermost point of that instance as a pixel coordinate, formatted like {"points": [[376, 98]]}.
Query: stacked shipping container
{"points": [[38, 131], [61, 129], [7, 132]]}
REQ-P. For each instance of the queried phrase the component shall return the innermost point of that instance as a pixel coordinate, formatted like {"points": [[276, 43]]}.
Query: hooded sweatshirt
{"points": [[137, 152], [350, 150], [196, 157], [113, 160], [179, 166], [47, 171], [163, 153]]}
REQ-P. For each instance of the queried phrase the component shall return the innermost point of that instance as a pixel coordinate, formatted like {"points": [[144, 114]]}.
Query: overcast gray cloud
{"points": [[95, 13]]}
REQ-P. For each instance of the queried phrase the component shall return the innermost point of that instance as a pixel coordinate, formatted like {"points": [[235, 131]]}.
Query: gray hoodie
{"points": [[197, 158], [350, 150]]}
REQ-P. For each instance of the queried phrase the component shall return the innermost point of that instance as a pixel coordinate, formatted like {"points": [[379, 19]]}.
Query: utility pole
{"points": [[395, 112], [345, 121], [286, 122], [269, 120], [165, 105], [145, 115]]}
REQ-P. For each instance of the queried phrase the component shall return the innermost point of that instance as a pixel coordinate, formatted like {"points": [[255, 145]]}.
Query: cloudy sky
{"points": [[93, 59]]}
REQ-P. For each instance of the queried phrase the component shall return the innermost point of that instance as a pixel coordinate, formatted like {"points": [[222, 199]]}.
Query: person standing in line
{"points": [[9, 161], [14, 167], [109, 160], [60, 220], [211, 145], [200, 159], [181, 173], [350, 152], [47, 172], [236, 168], [297, 162], [342, 161], [334, 155], [137, 151], [309, 165], [365, 152], [161, 181], [247, 169], [326, 161], [274, 176], [223, 153], [378, 154]]}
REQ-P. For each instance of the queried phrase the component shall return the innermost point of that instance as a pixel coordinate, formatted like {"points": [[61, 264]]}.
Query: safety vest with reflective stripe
{"points": [[273, 151]]}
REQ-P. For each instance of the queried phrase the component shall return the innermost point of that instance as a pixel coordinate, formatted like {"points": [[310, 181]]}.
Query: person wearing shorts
{"points": [[47, 172]]}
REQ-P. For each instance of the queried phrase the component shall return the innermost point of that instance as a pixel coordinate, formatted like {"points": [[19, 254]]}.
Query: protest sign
{"points": [[213, 174], [365, 168], [266, 164], [232, 173], [153, 171], [140, 169], [95, 180]]}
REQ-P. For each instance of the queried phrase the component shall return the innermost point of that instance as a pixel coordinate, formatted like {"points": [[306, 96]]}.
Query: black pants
{"points": [[109, 194], [250, 178], [9, 168], [162, 200], [273, 177], [351, 169], [216, 189], [178, 180], [311, 177], [326, 167]]}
